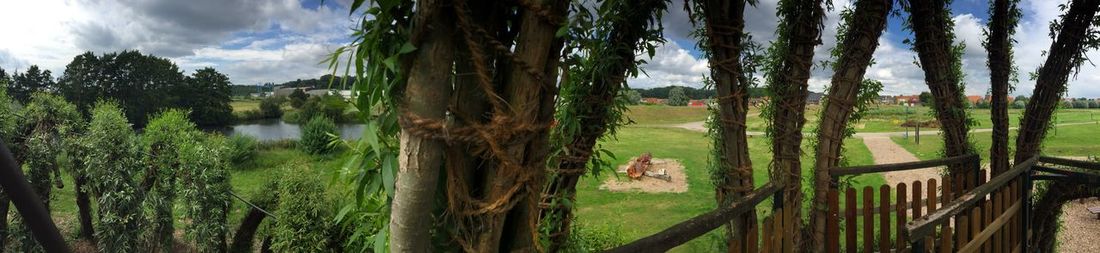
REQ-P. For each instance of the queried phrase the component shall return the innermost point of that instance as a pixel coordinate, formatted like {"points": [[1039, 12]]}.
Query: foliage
{"points": [[317, 135], [676, 97], [204, 177], [207, 94], [9, 115], [33, 80], [925, 98], [143, 84], [298, 98], [241, 148], [377, 46], [586, 238], [330, 106], [270, 107], [162, 140], [631, 96], [111, 165], [304, 215]]}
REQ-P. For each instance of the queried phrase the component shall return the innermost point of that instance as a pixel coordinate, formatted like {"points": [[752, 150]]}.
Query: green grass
{"points": [[244, 105], [635, 215], [660, 114], [1072, 140]]}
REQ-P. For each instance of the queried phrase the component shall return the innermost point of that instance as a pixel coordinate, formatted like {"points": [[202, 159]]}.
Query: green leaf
{"points": [[380, 240], [388, 167], [406, 48], [372, 137]]}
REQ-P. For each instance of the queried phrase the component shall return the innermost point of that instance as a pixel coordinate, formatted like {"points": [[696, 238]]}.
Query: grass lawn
{"points": [[1073, 140], [663, 115], [634, 215], [244, 105]]}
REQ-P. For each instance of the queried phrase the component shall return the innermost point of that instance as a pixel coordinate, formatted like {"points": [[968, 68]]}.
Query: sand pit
{"points": [[648, 184]]}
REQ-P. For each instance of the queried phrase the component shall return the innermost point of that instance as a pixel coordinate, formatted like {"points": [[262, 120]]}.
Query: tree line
{"points": [[140, 83], [692, 93]]}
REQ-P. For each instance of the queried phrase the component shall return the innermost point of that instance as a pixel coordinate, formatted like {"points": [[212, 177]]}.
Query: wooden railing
{"points": [[770, 239]]}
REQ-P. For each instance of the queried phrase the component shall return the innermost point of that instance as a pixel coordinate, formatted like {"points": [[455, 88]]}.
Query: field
{"points": [[1069, 140], [244, 105], [634, 215]]}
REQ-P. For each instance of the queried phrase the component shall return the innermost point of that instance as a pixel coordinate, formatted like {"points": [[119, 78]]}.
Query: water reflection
{"points": [[274, 129]]}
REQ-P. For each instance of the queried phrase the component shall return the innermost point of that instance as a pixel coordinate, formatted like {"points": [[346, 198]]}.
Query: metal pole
{"points": [[29, 205]]}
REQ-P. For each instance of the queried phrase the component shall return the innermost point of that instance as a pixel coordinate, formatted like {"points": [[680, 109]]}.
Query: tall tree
{"points": [[724, 40], [31, 81], [858, 39], [206, 93], [1002, 25], [677, 97], [80, 84], [787, 73], [1074, 34], [589, 101], [931, 23]]}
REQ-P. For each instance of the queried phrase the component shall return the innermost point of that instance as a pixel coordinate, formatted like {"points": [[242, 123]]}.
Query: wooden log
{"points": [[690, 229], [856, 170]]}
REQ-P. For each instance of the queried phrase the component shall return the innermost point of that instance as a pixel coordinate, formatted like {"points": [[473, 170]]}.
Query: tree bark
{"points": [[725, 24], [1061, 60], [1000, 70], [942, 73], [789, 104], [5, 204], [84, 207], [591, 109], [1053, 75], [420, 159], [860, 41], [242, 239]]}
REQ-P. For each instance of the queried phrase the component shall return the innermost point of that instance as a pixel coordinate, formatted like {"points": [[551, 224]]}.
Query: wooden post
{"points": [[1026, 222]]}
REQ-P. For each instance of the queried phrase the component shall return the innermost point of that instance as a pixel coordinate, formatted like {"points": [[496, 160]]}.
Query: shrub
{"points": [[304, 214], [241, 148], [269, 108], [297, 98], [315, 137], [205, 180], [162, 140], [111, 165], [592, 239]]}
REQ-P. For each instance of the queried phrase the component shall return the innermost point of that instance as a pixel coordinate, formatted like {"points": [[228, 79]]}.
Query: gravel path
{"points": [[1079, 227], [885, 151]]}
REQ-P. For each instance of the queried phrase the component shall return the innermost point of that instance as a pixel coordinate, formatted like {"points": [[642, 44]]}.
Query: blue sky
{"points": [[258, 41]]}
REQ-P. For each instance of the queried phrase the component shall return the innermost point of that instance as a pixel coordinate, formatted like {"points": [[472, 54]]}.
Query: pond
{"points": [[274, 129]]}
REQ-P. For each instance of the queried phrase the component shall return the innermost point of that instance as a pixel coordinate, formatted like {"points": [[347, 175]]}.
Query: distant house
{"points": [[697, 103], [318, 93], [814, 97], [974, 99], [910, 99], [656, 101], [887, 100]]}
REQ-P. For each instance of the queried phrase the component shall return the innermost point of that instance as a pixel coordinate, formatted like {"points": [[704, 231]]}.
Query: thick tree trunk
{"points": [[1061, 60], [5, 203], [789, 105], [1000, 70], [591, 109], [941, 71], [860, 42], [420, 159], [724, 22]]}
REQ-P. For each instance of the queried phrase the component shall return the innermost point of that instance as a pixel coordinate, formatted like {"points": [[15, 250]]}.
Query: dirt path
{"points": [[701, 127], [885, 151]]}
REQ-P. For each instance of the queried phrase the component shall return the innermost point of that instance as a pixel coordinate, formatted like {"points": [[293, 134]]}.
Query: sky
{"points": [[260, 41]]}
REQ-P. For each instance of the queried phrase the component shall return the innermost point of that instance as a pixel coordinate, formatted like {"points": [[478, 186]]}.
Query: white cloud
{"points": [[671, 65]]}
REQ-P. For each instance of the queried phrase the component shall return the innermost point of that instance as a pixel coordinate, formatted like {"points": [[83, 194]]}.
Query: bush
{"points": [[315, 137], [205, 181], [297, 98], [162, 140], [304, 214], [270, 109], [241, 148], [592, 239], [111, 165]]}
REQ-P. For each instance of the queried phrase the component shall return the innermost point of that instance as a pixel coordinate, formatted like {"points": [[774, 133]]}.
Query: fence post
{"points": [[918, 246], [1026, 216]]}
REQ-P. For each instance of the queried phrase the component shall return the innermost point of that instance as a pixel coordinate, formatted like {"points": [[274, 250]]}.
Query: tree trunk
{"points": [[242, 239], [1000, 70], [1062, 59], [860, 41], [788, 106], [602, 85], [724, 22], [942, 66], [420, 159], [84, 207], [1064, 55], [5, 204]]}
